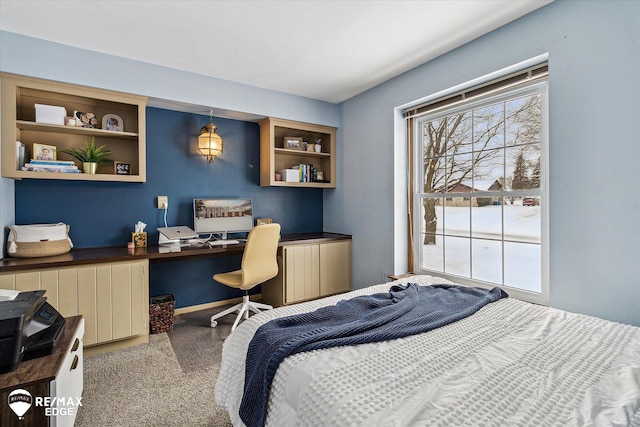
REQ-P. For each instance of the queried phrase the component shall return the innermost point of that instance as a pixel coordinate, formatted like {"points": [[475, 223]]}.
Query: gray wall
{"points": [[38, 58], [594, 175]]}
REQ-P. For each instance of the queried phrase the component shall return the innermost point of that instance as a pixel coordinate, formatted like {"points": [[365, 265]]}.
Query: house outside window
{"points": [[479, 190]]}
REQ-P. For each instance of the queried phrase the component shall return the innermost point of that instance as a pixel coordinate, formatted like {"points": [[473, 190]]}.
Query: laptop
{"points": [[176, 234]]}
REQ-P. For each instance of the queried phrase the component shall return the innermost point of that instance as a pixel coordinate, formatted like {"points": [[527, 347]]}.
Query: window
{"points": [[479, 198]]}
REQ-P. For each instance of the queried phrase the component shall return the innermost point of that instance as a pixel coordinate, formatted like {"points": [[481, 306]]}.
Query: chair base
{"points": [[243, 310]]}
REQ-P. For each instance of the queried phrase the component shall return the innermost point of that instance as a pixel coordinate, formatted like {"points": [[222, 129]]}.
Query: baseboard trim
{"points": [[115, 345], [192, 308]]}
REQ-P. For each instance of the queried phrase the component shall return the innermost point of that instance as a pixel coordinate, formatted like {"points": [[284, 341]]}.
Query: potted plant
{"points": [[91, 156]]}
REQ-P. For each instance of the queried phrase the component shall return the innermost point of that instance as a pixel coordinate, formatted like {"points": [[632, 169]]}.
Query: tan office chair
{"points": [[258, 265]]}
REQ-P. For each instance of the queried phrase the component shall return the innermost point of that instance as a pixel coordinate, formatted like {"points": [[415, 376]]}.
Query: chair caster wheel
{"points": [[214, 323]]}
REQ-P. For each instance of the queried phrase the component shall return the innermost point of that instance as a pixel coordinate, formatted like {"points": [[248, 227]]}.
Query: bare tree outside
{"points": [[497, 142]]}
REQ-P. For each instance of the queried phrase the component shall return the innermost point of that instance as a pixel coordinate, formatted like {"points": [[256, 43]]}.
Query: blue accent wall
{"points": [[104, 213]]}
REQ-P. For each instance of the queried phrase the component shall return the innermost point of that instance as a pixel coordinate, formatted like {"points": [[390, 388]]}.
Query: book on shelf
{"points": [[20, 154], [306, 172], [50, 169], [52, 162], [60, 166]]}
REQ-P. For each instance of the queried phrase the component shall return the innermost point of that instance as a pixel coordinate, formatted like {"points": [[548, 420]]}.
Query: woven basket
{"points": [[37, 240], [38, 249], [161, 312]]}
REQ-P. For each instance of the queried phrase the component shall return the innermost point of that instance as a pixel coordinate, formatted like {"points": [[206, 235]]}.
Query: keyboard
{"points": [[223, 242]]}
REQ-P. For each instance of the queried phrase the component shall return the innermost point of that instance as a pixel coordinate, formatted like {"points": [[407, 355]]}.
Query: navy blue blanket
{"points": [[400, 312]]}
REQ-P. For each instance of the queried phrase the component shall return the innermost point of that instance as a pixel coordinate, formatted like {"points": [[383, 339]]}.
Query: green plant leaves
{"points": [[92, 153]]}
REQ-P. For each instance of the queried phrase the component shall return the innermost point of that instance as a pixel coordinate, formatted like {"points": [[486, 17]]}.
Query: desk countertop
{"points": [[153, 253]]}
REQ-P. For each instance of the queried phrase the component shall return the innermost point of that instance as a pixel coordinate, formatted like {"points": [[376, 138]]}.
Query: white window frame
{"points": [[539, 86]]}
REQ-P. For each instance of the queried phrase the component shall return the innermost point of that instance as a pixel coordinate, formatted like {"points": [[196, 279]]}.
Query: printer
{"points": [[29, 327]]}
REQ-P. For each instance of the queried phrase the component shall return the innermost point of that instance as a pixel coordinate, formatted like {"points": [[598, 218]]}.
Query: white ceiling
{"points": [[326, 50]]}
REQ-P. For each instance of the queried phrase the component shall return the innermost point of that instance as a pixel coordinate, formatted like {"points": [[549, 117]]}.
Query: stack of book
{"points": [[307, 173], [59, 166]]}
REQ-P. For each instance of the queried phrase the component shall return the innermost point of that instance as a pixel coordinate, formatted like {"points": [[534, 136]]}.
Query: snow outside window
{"points": [[479, 196]]}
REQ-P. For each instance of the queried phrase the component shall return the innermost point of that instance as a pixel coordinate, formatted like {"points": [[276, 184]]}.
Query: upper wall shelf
{"points": [[19, 96], [43, 127], [274, 157], [287, 152]]}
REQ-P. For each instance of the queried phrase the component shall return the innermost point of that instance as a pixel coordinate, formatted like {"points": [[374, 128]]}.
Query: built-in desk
{"points": [[153, 253], [109, 286]]}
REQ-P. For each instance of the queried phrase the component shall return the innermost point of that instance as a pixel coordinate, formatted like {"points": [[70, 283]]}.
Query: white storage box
{"points": [[290, 175], [50, 114]]}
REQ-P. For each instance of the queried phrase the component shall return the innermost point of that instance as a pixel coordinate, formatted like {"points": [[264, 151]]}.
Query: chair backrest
{"points": [[259, 262]]}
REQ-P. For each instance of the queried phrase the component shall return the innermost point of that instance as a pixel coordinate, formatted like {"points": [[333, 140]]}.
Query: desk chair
{"points": [[258, 265]]}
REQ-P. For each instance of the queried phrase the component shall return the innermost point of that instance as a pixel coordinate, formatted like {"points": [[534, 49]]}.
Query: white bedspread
{"points": [[510, 364]]}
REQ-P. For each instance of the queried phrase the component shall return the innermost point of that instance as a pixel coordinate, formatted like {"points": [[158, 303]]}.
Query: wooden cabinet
{"points": [[21, 94], [276, 155], [335, 267], [113, 298], [309, 271], [301, 267], [56, 375]]}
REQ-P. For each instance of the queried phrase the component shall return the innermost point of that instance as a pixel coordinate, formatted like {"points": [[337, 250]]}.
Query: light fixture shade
{"points": [[210, 144]]}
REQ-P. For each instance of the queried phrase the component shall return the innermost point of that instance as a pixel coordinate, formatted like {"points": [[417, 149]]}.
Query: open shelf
{"points": [[274, 157], [20, 95]]}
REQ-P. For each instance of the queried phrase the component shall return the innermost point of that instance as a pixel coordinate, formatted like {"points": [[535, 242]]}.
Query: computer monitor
{"points": [[223, 216]]}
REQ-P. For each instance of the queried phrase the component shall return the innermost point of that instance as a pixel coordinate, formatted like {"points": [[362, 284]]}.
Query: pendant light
{"points": [[210, 144]]}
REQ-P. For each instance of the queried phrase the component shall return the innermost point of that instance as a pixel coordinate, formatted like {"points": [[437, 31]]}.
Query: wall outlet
{"points": [[163, 202]]}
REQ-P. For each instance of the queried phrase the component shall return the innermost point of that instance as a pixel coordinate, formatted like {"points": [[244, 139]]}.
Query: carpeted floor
{"points": [[167, 382]]}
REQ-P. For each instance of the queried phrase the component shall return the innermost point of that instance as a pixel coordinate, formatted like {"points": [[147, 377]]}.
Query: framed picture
{"points": [[261, 221], [120, 168], [44, 152], [292, 143], [112, 122], [85, 120]]}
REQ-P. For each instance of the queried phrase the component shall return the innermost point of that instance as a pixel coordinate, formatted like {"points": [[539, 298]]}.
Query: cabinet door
{"points": [[302, 279], [335, 267], [112, 298], [129, 299]]}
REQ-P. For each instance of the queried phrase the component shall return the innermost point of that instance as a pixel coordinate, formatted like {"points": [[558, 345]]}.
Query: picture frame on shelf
{"points": [[112, 122], [292, 143], [262, 221], [121, 168], [85, 120], [44, 152]]}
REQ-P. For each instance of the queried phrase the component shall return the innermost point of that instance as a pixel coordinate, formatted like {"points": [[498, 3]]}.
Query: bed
{"points": [[511, 363]]}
